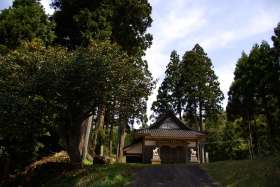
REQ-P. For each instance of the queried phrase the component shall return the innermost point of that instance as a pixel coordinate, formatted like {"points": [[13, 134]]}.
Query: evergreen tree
{"points": [[201, 89], [78, 22], [253, 93], [275, 68], [191, 87], [242, 96], [25, 20], [123, 22], [169, 97]]}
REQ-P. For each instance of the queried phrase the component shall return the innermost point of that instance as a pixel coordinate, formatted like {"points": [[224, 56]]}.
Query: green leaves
{"points": [[26, 20], [44, 88], [122, 22], [53, 88]]}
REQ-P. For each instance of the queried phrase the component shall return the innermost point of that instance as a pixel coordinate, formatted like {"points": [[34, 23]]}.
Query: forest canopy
{"points": [[72, 79]]}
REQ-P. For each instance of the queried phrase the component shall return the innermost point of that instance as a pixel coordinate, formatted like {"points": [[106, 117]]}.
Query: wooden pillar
{"points": [[206, 157], [202, 153], [143, 142], [187, 154]]}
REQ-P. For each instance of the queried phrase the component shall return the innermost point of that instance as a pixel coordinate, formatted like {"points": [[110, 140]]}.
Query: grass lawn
{"points": [[97, 176], [247, 173], [55, 170]]}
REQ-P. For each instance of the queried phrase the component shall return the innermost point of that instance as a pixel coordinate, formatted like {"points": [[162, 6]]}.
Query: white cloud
{"points": [[262, 23], [177, 26], [221, 39], [225, 77]]}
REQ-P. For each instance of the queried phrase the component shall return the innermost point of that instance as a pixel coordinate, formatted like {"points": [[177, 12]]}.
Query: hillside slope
{"points": [[247, 173]]}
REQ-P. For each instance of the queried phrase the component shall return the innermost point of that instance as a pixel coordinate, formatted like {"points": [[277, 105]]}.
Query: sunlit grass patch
{"points": [[87, 162]]}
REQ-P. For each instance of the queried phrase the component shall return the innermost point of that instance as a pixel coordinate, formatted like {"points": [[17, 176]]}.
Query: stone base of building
{"points": [[194, 159], [155, 161]]}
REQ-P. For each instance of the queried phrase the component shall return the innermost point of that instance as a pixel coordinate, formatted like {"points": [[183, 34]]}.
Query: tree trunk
{"points": [[99, 124], [111, 139], [255, 136], [76, 137], [269, 121], [73, 145], [121, 139], [251, 141], [86, 138], [195, 114], [83, 135], [200, 117], [6, 168], [179, 109]]}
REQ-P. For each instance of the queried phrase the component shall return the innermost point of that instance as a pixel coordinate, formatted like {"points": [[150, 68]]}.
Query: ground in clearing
{"points": [[172, 176], [56, 171]]}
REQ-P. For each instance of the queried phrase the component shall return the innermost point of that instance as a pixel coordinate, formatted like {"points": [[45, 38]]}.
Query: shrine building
{"points": [[174, 141]]}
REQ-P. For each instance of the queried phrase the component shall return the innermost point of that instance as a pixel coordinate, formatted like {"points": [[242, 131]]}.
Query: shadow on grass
{"points": [[115, 175], [56, 174], [39, 175]]}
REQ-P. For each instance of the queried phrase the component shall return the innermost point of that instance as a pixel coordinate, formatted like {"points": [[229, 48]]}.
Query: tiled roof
{"points": [[176, 133]]}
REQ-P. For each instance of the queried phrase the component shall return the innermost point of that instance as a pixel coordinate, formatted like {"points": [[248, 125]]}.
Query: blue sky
{"points": [[223, 28]]}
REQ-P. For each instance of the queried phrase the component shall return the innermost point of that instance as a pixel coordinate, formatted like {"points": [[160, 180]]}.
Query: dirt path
{"points": [[172, 176]]}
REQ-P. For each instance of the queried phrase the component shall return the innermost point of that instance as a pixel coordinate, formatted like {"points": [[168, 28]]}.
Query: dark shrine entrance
{"points": [[170, 155]]}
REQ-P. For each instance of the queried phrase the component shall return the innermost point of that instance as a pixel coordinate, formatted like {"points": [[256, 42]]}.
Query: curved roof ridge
{"points": [[171, 114]]}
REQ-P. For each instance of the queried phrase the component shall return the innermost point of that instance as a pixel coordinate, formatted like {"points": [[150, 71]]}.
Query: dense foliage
{"points": [[25, 20], [69, 86], [123, 22], [78, 97], [254, 97], [250, 128]]}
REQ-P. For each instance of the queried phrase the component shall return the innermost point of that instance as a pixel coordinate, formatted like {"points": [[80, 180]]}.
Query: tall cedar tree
{"points": [[201, 88], [25, 20], [169, 96], [123, 22], [275, 79], [78, 22], [190, 87]]}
